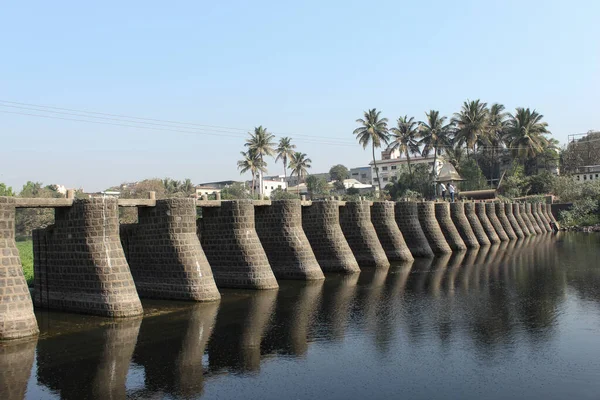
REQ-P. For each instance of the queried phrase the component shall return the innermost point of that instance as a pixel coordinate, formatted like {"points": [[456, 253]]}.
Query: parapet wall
{"points": [[279, 227], [390, 236], [459, 218], [79, 264], [321, 224], [16, 309], [355, 220], [431, 228], [232, 246], [407, 219], [442, 215], [491, 233], [164, 253]]}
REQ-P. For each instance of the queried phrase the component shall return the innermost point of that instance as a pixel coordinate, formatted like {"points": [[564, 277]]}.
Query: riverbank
{"points": [[26, 253], [577, 228]]}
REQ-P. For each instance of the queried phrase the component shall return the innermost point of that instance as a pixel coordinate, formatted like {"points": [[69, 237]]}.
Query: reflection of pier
{"points": [[16, 359], [338, 292], [89, 364], [171, 348]]}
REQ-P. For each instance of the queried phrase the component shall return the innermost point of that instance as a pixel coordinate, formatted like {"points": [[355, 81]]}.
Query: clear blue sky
{"points": [[303, 68]]}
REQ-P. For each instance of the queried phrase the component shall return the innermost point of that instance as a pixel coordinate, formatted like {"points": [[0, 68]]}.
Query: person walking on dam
{"points": [[451, 189], [443, 189]]}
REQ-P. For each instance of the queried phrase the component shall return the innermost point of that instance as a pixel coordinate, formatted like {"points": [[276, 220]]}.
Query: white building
{"points": [[270, 184], [391, 162], [362, 174], [587, 173]]}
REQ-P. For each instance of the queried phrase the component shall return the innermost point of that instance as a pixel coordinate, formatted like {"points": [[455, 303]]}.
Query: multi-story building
{"points": [[391, 163], [362, 174], [587, 173]]}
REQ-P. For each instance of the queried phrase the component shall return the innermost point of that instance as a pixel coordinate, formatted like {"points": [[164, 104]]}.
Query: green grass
{"points": [[26, 254]]}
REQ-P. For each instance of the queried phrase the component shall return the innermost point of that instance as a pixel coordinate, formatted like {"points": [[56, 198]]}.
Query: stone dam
{"points": [[86, 262]]}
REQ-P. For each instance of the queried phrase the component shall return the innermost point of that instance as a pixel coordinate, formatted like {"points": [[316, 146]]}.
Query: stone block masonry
{"points": [[390, 236], [508, 210], [548, 208], [534, 221], [231, 244], [355, 220], [164, 253], [491, 233], [475, 224], [459, 218], [490, 211], [501, 215], [321, 224], [431, 228], [442, 215], [79, 264], [279, 228], [540, 210], [407, 219], [516, 209], [16, 309]]}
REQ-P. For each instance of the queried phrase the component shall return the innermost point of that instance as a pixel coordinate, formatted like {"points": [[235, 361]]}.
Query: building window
{"points": [[596, 176], [278, 186], [577, 177], [394, 167], [354, 173], [384, 168], [363, 175], [585, 177], [376, 180], [385, 179], [591, 177]]}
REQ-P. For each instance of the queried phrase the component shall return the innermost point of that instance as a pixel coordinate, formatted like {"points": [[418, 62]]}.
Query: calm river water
{"points": [[520, 320]]}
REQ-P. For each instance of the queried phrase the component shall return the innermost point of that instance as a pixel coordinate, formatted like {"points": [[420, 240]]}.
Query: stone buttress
{"points": [[540, 210], [407, 219], [516, 209], [485, 222], [550, 215], [390, 236], [442, 215], [431, 228], [501, 214], [463, 226], [529, 214], [79, 263], [490, 211], [232, 246], [508, 210], [321, 224], [537, 218], [279, 228], [16, 309], [355, 220], [164, 253]]}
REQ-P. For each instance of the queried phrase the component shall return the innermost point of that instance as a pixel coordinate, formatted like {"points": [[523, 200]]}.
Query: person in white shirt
{"points": [[443, 188], [451, 189]]}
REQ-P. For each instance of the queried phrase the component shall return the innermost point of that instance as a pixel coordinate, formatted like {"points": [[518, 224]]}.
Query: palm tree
{"points": [[470, 123], [455, 155], [435, 135], [525, 134], [250, 162], [172, 186], [373, 129], [187, 186], [405, 138], [495, 132], [299, 165], [261, 144], [285, 150]]}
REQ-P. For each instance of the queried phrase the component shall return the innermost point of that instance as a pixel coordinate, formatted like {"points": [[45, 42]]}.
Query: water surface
{"points": [[519, 320]]}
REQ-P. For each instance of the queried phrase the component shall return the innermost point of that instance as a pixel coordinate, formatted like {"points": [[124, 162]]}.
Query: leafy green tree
{"points": [[373, 130], [525, 134], [404, 136], [280, 194], [316, 186], [251, 162], [31, 218], [514, 183], [261, 145], [6, 190], [470, 123], [435, 135], [284, 150], [339, 173], [454, 155], [188, 187], [235, 191], [542, 183], [299, 164], [418, 183], [474, 178]]}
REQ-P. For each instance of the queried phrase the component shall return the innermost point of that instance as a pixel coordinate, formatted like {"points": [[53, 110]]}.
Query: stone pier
{"points": [[461, 222], [508, 210], [431, 228], [355, 220], [164, 253], [501, 215], [442, 215], [529, 215], [490, 211], [489, 229], [516, 209], [232, 247], [407, 219], [79, 264], [279, 227], [537, 218], [390, 236], [540, 210], [475, 224], [321, 224], [16, 309], [549, 214]]}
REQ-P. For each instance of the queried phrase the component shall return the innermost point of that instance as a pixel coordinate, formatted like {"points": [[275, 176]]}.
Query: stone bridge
{"points": [[87, 263]]}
